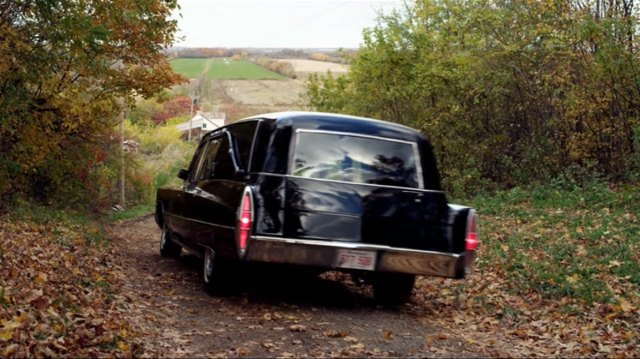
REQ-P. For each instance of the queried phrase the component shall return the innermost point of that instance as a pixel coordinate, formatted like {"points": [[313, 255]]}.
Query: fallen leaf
{"points": [[40, 279], [10, 349], [6, 334], [297, 328], [335, 334], [625, 305], [573, 278]]}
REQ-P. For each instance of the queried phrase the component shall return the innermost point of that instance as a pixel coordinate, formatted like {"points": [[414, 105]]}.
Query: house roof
{"points": [[204, 120]]}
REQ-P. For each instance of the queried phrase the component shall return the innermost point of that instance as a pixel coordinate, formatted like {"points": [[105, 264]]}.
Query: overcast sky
{"points": [[277, 23]]}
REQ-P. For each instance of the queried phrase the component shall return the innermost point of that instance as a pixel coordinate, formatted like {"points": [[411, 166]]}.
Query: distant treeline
{"points": [[338, 56]]}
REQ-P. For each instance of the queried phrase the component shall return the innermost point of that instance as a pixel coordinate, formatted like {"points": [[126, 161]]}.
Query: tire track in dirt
{"points": [[274, 312]]}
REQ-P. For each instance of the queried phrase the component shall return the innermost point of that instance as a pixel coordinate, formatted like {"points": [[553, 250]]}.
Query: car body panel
{"points": [[387, 207]]}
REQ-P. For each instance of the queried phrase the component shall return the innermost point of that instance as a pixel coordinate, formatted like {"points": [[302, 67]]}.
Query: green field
{"points": [[222, 68]]}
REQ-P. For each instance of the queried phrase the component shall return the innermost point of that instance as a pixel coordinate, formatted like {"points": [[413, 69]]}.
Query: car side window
{"points": [[209, 165], [243, 134], [223, 165], [196, 161]]}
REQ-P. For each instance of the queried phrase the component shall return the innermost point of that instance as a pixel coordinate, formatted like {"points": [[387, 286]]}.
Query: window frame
{"points": [[210, 141], [232, 129], [196, 164]]}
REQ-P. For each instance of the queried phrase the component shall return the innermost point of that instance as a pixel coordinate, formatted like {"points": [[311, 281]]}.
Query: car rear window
{"points": [[354, 158]]}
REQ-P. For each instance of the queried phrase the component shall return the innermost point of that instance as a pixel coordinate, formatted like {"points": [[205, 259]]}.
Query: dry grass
{"points": [[317, 66]]}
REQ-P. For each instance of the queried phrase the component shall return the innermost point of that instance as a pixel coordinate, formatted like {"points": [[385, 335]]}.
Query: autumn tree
{"points": [[64, 65], [177, 106], [509, 91]]}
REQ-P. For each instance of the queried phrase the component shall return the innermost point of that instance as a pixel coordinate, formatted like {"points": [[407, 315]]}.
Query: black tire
{"points": [[168, 248], [213, 273], [220, 275], [392, 289]]}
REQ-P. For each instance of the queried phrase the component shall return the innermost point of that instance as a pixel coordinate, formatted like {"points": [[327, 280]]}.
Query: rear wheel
{"points": [[215, 273], [168, 248], [393, 288]]}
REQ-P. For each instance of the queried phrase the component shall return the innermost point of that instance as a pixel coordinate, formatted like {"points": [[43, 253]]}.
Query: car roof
{"points": [[339, 122]]}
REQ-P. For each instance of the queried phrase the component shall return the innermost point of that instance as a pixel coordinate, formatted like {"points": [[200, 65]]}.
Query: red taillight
{"points": [[245, 219], [471, 239]]}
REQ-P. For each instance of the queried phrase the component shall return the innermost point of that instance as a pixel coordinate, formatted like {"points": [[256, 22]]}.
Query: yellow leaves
{"points": [[6, 333], [471, 341], [7, 326], [40, 279], [4, 297], [573, 279], [50, 284], [624, 305], [124, 347]]}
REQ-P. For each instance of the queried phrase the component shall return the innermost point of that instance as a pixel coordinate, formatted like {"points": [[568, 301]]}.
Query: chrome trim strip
{"points": [[350, 183], [349, 245], [325, 254], [197, 221], [354, 135]]}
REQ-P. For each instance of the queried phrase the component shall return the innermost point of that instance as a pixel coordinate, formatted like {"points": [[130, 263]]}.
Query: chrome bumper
{"points": [[325, 254]]}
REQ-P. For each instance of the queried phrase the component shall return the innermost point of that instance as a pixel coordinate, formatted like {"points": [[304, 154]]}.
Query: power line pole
{"points": [[193, 101], [122, 162]]}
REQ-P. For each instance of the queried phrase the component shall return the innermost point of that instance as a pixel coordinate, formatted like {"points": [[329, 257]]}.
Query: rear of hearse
{"points": [[360, 195]]}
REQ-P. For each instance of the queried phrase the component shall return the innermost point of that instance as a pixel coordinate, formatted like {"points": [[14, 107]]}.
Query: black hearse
{"points": [[322, 190]]}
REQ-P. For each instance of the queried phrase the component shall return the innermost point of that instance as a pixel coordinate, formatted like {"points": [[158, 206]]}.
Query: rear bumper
{"points": [[388, 259]]}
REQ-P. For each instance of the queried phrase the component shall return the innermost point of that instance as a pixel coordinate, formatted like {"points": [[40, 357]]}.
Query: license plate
{"points": [[356, 259]]}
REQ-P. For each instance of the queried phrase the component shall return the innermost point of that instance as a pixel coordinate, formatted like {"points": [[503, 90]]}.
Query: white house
{"points": [[201, 123]]}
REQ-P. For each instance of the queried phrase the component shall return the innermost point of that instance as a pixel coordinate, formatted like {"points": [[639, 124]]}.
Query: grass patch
{"points": [[564, 243], [66, 226], [240, 69], [133, 212], [190, 68], [222, 68]]}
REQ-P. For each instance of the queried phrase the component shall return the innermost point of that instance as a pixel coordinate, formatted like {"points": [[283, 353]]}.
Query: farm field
{"points": [[311, 66], [241, 88], [263, 92], [222, 68]]}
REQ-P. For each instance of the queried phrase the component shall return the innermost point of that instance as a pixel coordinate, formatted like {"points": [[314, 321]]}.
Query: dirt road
{"points": [[277, 314]]}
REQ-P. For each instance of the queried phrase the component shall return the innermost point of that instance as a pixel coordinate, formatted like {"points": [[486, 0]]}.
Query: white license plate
{"points": [[348, 258]]}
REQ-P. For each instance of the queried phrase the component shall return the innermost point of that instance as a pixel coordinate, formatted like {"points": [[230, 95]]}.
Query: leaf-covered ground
{"points": [[60, 292], [273, 313], [557, 276]]}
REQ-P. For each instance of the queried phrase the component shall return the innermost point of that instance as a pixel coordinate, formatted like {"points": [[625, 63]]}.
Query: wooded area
{"points": [[67, 68], [510, 92], [537, 97]]}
